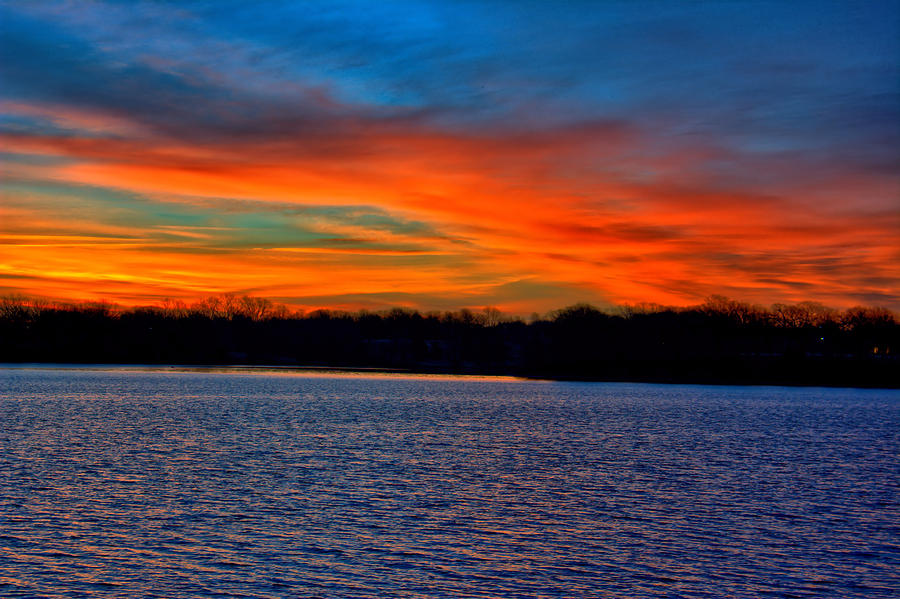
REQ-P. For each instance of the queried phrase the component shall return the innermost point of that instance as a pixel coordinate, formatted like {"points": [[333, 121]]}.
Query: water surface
{"points": [[170, 483]]}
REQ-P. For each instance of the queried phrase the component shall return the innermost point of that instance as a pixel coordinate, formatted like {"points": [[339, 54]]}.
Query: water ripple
{"points": [[215, 484]]}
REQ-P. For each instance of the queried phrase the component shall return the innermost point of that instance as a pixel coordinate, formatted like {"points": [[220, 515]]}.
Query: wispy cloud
{"points": [[414, 153]]}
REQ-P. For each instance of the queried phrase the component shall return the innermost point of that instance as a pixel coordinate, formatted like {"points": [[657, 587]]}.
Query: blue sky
{"points": [[757, 140]]}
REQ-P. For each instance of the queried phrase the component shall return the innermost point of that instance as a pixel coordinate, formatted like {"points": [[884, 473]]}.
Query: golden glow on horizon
{"points": [[495, 213]]}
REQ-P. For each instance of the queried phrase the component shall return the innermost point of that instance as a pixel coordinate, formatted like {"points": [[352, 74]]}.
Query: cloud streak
{"points": [[429, 158]]}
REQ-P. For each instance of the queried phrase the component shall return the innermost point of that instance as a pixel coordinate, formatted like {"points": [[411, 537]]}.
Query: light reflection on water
{"points": [[267, 484]]}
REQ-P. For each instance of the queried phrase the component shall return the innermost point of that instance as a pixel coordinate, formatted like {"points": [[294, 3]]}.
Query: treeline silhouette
{"points": [[719, 341]]}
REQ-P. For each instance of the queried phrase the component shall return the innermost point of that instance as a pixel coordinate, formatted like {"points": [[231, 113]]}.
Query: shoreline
{"points": [[320, 369]]}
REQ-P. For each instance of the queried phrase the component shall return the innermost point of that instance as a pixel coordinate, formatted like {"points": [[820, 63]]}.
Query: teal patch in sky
{"points": [[33, 159], [245, 225]]}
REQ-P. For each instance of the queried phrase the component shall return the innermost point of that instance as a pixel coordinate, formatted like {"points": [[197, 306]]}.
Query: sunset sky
{"points": [[440, 155]]}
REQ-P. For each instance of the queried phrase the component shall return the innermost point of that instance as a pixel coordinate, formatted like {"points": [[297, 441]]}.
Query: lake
{"points": [[131, 482]]}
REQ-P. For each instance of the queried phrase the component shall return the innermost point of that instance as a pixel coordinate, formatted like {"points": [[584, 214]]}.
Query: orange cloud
{"points": [[567, 206]]}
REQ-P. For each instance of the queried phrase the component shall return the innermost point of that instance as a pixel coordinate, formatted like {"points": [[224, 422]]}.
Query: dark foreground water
{"points": [[128, 483]]}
